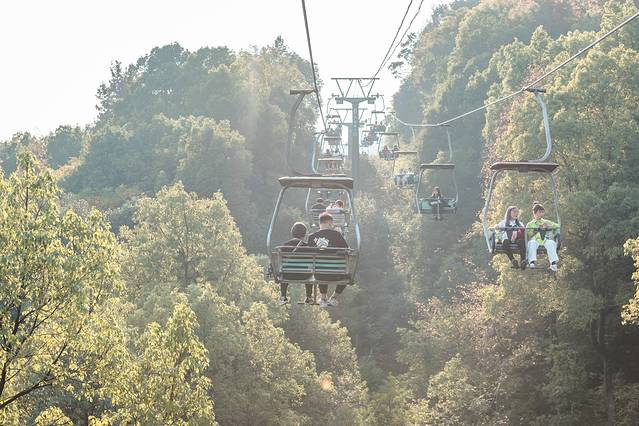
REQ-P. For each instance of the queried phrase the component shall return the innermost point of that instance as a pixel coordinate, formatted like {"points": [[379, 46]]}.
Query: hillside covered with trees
{"points": [[132, 250]]}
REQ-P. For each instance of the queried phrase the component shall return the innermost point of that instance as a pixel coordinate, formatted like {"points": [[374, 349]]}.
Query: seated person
{"points": [[407, 178], [511, 231], [337, 211], [370, 137], [296, 243], [541, 232], [386, 153], [327, 237], [335, 131], [436, 202], [328, 153], [399, 177], [338, 204], [319, 204]]}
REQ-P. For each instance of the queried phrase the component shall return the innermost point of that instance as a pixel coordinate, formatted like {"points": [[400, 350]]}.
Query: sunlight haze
{"points": [[56, 54]]}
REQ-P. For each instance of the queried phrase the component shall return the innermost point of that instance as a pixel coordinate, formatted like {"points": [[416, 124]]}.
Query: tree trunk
{"points": [[609, 391], [598, 336]]}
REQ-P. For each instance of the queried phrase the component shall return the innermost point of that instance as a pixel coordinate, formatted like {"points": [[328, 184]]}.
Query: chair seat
{"points": [[429, 206], [498, 247]]}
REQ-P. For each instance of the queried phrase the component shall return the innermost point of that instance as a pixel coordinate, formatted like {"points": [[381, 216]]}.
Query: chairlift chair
{"points": [[404, 181], [542, 166], [395, 136], [313, 265], [333, 140], [436, 206], [341, 217], [330, 165], [545, 168], [369, 138]]}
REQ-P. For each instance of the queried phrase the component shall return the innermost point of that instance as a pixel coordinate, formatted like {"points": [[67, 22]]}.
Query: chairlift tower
{"points": [[355, 90], [344, 114]]}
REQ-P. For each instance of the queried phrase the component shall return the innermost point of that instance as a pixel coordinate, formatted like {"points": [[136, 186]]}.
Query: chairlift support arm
{"points": [[301, 93], [544, 111]]}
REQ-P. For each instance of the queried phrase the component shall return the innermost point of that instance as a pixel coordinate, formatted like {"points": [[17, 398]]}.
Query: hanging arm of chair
{"points": [[484, 218], [544, 111], [291, 125]]}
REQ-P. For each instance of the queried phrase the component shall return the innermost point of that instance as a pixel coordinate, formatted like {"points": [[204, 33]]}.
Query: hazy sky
{"points": [[56, 53]]}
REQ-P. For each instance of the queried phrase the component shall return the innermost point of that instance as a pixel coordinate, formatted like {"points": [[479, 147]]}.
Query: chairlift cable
{"points": [[399, 42], [388, 52], [530, 85], [310, 53]]}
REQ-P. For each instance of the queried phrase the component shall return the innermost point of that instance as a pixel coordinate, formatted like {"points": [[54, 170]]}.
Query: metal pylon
{"points": [[355, 90]]}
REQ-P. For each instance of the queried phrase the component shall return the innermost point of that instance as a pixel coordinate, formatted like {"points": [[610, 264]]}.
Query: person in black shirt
{"points": [[298, 232], [327, 237]]}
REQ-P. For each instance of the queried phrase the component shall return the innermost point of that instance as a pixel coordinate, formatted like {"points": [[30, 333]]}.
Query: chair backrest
{"points": [[330, 164], [339, 217], [314, 265], [450, 203], [315, 213]]}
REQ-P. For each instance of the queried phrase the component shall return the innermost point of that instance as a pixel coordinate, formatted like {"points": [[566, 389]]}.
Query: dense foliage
{"points": [[500, 345], [164, 316]]}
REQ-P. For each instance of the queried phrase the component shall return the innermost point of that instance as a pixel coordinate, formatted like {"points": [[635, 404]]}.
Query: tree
{"points": [[166, 382], [62, 144], [216, 159], [180, 240], [182, 245], [18, 144], [631, 310], [53, 417], [389, 405], [55, 272], [452, 398]]}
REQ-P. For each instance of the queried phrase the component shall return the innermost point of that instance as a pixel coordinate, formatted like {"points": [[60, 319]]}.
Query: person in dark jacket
{"points": [[296, 243], [510, 231], [326, 237]]}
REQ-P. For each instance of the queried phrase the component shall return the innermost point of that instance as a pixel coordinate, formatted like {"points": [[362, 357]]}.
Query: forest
{"points": [[133, 255]]}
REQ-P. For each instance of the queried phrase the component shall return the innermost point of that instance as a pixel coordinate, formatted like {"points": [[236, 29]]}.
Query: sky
{"points": [[55, 54]]}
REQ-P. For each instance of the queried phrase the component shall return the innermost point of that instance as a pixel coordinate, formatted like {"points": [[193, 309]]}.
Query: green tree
{"points": [[53, 417], [182, 245], [166, 382], [631, 310], [180, 240], [62, 144], [389, 405], [452, 398], [216, 159], [55, 272], [18, 144]]}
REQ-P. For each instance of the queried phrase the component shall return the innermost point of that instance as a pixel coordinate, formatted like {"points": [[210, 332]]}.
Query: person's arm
{"points": [[531, 229], [552, 225]]}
